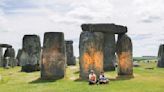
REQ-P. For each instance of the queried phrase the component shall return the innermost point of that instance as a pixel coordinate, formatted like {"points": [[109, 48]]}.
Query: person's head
{"points": [[92, 71], [102, 73]]}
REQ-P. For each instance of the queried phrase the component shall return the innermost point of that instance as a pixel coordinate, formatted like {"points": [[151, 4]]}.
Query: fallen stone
{"points": [[135, 64]]}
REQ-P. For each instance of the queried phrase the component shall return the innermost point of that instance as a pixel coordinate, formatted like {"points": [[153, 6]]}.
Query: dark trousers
{"points": [[92, 82]]}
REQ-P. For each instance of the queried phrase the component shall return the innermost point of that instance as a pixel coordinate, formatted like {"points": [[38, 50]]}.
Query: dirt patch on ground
{"points": [[73, 78], [73, 67]]}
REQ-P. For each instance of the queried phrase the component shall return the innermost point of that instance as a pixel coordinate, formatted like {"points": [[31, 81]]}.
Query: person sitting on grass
{"points": [[92, 78], [103, 79]]}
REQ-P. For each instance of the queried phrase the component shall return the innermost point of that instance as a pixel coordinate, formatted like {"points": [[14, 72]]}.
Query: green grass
{"points": [[12, 80]]}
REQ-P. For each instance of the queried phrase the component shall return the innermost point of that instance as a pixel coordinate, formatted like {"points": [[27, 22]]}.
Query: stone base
{"points": [[72, 63], [51, 77], [160, 64], [125, 76], [109, 69], [1, 62], [30, 68]]}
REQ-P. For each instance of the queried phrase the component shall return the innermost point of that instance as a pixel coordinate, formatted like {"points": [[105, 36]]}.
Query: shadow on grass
{"points": [[118, 78], [80, 80], [121, 78], [77, 72], [27, 72], [39, 80]]}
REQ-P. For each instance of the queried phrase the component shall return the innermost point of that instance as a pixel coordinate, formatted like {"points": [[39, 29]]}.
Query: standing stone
{"points": [[69, 53], [109, 52], [10, 53], [161, 56], [18, 56], [6, 62], [1, 57], [30, 56], [91, 53], [53, 62], [125, 55]]}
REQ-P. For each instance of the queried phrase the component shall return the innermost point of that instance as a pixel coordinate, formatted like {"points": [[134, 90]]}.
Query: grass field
{"points": [[145, 80]]}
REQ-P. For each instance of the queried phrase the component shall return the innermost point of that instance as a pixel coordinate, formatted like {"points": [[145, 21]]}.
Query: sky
{"points": [[144, 19]]}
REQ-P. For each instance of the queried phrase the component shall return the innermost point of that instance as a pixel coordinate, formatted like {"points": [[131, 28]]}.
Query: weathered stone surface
{"points": [[107, 28], [28, 62], [161, 56], [18, 56], [91, 53], [69, 53], [109, 52], [125, 55], [30, 56], [2, 62], [6, 62], [1, 57], [10, 52], [5, 45], [53, 62], [135, 64]]}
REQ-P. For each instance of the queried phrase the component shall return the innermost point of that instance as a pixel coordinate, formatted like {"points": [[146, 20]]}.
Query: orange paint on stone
{"points": [[124, 61], [98, 58], [87, 61], [93, 60]]}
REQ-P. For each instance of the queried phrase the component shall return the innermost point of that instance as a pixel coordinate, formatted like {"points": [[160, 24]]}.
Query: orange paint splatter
{"points": [[92, 60], [125, 61]]}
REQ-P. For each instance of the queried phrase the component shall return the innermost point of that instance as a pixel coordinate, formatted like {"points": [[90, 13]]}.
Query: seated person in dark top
{"points": [[103, 79]]}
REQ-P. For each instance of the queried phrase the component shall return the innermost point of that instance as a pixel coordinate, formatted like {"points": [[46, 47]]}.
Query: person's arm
{"points": [[90, 76], [100, 76], [95, 78]]}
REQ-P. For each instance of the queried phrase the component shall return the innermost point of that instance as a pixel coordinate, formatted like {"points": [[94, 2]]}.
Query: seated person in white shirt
{"points": [[92, 78], [103, 79]]}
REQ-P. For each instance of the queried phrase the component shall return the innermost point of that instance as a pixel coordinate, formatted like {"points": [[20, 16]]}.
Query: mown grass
{"points": [[145, 80]]}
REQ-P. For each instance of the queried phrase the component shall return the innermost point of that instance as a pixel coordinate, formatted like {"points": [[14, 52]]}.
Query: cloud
{"points": [[149, 10], [141, 36], [32, 17], [151, 19], [144, 19]]}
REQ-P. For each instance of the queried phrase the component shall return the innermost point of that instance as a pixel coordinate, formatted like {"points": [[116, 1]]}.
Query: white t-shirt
{"points": [[102, 77], [92, 77]]}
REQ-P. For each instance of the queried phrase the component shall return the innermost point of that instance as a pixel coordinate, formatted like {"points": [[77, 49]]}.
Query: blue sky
{"points": [[144, 19]]}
